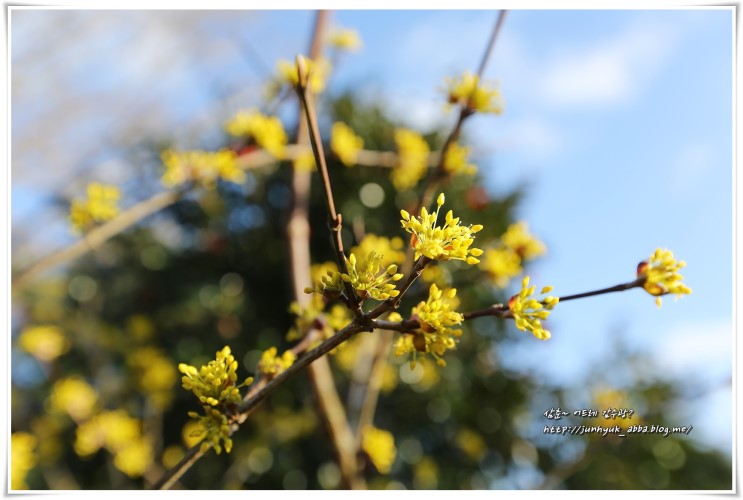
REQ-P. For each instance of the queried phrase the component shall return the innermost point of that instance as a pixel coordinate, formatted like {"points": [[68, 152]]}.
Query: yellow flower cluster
{"points": [[412, 159], [102, 204], [317, 71], [344, 39], [468, 92], [379, 445], [122, 436], [155, 375], [436, 316], [200, 166], [22, 458], [529, 312], [392, 249], [73, 396], [44, 342], [370, 279], [213, 428], [518, 238], [455, 160], [517, 245], [271, 365], [267, 131], [214, 385], [328, 281], [345, 143], [661, 275], [450, 242]]}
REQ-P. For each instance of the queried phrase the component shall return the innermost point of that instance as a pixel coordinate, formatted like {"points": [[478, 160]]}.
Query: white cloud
{"points": [[608, 73]]}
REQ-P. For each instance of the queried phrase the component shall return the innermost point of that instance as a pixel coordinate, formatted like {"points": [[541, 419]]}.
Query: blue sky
{"points": [[619, 121]]}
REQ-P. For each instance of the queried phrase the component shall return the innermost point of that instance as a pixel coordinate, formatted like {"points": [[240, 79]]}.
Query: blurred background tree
{"points": [[96, 401]]}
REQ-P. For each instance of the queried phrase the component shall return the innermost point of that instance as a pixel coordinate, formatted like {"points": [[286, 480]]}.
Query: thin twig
{"points": [[616, 288], [174, 474]]}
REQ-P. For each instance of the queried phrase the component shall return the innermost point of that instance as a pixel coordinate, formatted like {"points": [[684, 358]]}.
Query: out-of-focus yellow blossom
{"points": [[200, 166], [214, 383], [518, 238], [436, 274], [305, 162], [369, 279], [450, 242], [412, 159], [135, 458], [155, 375], [605, 398], [345, 143], [317, 71], [72, 395], [190, 434], [380, 446], [307, 317], [391, 249], [140, 327], [22, 458], [338, 317], [121, 435], [430, 377], [345, 39], [455, 160], [501, 264], [267, 131], [102, 204], [48, 429], [44, 342], [661, 275], [213, 429], [529, 312], [468, 92], [436, 316], [471, 443], [110, 429], [347, 355], [271, 365], [426, 474]]}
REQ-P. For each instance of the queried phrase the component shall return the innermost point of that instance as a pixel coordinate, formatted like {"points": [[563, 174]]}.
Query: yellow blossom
{"points": [[501, 264], [468, 92], [200, 166], [391, 249], [317, 71], [135, 457], [450, 242], [345, 39], [44, 342], [370, 279], [529, 312], [121, 435], [213, 429], [518, 238], [345, 144], [379, 445], [471, 443], [154, 373], [271, 365], [214, 383], [661, 275], [101, 204], [72, 395], [305, 162], [436, 316], [267, 131], [412, 159], [455, 160], [22, 458], [310, 316]]}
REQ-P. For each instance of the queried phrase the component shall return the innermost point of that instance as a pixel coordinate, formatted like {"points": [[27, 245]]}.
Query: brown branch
{"points": [[97, 236], [320, 374], [616, 288], [174, 474]]}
